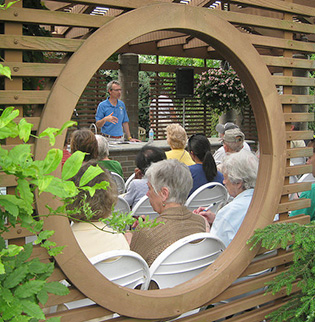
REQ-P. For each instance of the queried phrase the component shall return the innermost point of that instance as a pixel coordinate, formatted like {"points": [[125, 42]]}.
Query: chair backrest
{"points": [[185, 259], [307, 177], [212, 194], [143, 207], [122, 206], [128, 181], [123, 267], [120, 182]]}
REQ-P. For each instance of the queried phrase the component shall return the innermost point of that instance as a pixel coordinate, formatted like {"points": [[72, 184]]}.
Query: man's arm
{"points": [[109, 118], [126, 129]]}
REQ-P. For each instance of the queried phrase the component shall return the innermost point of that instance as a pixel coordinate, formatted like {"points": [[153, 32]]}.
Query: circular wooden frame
{"points": [[236, 49]]}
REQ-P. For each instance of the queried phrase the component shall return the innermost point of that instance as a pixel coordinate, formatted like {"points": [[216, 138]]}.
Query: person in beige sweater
{"points": [[169, 183]]}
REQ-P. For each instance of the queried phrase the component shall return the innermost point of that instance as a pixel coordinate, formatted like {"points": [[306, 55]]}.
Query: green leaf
{"points": [[62, 189], [56, 288], [25, 254], [6, 295], [45, 234], [65, 126], [25, 192], [52, 160], [37, 267], [43, 182], [16, 277], [5, 70], [90, 174], [24, 130], [8, 115], [9, 206], [72, 165], [51, 133], [32, 309], [20, 153], [42, 296], [29, 288]]}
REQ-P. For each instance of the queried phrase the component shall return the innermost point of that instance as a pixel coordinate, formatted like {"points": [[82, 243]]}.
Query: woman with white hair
{"points": [[103, 153], [169, 183], [240, 173]]}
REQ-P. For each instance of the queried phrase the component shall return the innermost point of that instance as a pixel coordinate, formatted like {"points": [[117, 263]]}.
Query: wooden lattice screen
{"points": [[271, 36]]}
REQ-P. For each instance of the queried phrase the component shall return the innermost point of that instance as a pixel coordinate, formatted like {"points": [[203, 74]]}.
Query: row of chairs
{"points": [[177, 264]]}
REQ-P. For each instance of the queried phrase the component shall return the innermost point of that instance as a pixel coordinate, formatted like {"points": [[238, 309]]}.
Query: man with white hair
{"points": [[221, 129]]}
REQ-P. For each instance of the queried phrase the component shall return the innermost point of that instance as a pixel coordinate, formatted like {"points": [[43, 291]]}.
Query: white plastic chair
{"points": [[123, 267], [122, 205], [212, 194], [143, 207], [120, 182], [184, 259], [128, 181], [307, 177]]}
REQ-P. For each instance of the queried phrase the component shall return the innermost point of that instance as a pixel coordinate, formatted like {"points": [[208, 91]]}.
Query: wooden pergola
{"points": [[258, 38]]}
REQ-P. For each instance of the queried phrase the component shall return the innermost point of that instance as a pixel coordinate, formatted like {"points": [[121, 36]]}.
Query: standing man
{"points": [[111, 115]]}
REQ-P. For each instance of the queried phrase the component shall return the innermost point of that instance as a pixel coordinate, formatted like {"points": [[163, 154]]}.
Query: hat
{"points": [[233, 135], [221, 128]]}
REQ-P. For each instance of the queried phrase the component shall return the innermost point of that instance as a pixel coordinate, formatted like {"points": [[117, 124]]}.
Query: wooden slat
{"points": [[294, 205], [11, 146], [299, 152], [264, 22], [289, 62], [39, 43], [278, 6], [273, 42], [9, 97], [56, 18], [298, 135], [33, 120], [7, 180], [298, 169], [40, 253], [81, 314], [293, 81], [296, 187], [298, 117], [17, 232], [35, 69], [297, 99]]}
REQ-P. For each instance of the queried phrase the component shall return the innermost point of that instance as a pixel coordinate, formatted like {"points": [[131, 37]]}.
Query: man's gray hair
{"points": [[241, 167], [173, 175], [103, 148], [111, 83]]}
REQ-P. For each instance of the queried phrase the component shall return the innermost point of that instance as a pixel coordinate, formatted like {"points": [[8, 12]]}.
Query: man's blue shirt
{"points": [[105, 108]]}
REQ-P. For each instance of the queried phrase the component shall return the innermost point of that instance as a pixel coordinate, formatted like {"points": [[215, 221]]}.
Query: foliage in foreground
{"points": [[301, 306]]}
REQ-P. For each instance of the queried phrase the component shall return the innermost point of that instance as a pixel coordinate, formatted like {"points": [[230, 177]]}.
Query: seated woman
{"points": [[177, 140], [169, 183], [240, 173], [103, 153], [138, 187], [90, 235], [205, 169], [84, 140]]}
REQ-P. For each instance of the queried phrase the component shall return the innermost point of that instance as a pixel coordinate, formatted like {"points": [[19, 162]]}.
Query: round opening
{"points": [[243, 57]]}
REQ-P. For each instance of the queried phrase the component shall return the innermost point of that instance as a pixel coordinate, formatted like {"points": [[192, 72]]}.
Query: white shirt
{"points": [[229, 218]]}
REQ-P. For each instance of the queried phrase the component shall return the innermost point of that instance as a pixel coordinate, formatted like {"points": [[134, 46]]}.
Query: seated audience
{"points": [[103, 153], [221, 128], [310, 194], [93, 236], [138, 187], [84, 140], [169, 183], [177, 140], [240, 173], [205, 169]]}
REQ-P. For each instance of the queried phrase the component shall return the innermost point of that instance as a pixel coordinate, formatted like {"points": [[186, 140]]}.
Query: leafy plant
{"points": [[301, 306], [221, 90]]}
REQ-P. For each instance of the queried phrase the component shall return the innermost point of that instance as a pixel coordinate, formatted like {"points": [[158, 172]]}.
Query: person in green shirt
{"points": [[310, 194], [103, 152]]}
